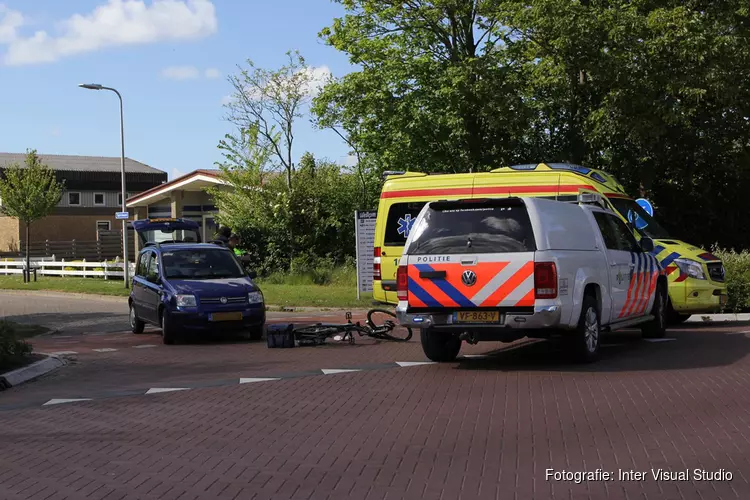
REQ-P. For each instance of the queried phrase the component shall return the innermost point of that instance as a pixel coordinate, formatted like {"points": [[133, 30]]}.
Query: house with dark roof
{"points": [[92, 196]]}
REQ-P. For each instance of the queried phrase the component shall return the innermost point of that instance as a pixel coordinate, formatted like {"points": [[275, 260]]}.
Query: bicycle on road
{"points": [[318, 333]]}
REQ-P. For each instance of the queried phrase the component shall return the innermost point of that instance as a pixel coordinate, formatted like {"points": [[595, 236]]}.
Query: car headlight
{"points": [[255, 297], [692, 268], [186, 301]]}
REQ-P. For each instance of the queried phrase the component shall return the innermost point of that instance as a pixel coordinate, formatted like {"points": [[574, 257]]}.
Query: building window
{"points": [[103, 225], [99, 199], [119, 198], [74, 199]]}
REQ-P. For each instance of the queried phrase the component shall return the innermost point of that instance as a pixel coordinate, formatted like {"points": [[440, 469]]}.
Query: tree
{"points": [[271, 100], [435, 91], [29, 193]]}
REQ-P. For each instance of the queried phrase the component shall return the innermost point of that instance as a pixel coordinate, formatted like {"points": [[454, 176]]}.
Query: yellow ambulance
{"points": [[696, 277]]}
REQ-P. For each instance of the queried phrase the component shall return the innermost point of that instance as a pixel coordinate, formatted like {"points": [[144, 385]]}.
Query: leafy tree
{"points": [[29, 193], [271, 101], [434, 91]]}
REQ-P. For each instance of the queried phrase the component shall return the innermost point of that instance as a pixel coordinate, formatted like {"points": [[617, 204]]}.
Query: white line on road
{"points": [[335, 371], [413, 363], [61, 401], [144, 346], [159, 390], [105, 349], [260, 379], [63, 353], [659, 340]]}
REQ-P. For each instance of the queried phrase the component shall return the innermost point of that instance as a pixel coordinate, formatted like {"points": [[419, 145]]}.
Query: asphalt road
{"points": [[235, 420]]}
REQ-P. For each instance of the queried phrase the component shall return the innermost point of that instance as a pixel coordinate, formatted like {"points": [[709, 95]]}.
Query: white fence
{"points": [[79, 268]]}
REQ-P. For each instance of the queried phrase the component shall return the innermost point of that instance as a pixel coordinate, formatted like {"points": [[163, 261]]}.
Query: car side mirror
{"points": [[252, 275], [647, 245]]}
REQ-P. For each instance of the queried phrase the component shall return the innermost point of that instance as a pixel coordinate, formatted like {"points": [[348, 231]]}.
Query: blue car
{"points": [[181, 284]]}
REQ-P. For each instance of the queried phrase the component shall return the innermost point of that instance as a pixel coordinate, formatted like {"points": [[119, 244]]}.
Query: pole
{"points": [[356, 250], [126, 269]]}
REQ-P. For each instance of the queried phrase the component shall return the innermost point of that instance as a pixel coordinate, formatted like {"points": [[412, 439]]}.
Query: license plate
{"points": [[476, 317], [226, 316]]}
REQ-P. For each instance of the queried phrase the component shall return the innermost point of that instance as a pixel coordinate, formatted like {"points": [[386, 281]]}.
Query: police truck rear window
{"points": [[474, 228]]}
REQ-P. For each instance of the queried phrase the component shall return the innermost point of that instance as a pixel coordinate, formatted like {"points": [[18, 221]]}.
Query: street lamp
{"points": [[96, 86]]}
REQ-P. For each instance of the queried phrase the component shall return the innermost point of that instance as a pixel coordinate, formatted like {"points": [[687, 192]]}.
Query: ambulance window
{"points": [[399, 222], [479, 229]]}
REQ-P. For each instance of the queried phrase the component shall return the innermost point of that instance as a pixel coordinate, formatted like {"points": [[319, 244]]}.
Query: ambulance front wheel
{"points": [[441, 347]]}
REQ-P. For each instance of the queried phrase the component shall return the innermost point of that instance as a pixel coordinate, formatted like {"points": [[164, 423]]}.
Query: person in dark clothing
{"points": [[223, 235], [234, 245]]}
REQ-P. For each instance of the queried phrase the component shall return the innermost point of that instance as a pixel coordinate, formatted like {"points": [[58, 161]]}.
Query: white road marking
{"points": [[159, 390], [659, 340], [105, 349], [475, 356], [61, 401], [63, 353], [335, 371], [405, 364], [144, 346], [259, 379]]}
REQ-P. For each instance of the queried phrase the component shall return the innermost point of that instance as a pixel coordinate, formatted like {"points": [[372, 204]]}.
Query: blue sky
{"points": [[169, 59]]}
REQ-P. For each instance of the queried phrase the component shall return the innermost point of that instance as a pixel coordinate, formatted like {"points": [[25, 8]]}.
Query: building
{"points": [[92, 196], [184, 197]]}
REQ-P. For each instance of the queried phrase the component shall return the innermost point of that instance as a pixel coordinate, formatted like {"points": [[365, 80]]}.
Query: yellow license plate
{"points": [[227, 316], [477, 317]]}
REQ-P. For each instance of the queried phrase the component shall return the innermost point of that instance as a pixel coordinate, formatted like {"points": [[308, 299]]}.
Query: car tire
{"points": [[256, 332], [585, 340], [673, 317], [440, 347], [136, 325], [657, 328], [168, 334]]}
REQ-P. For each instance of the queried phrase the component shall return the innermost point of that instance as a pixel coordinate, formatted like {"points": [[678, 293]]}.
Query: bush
{"points": [[12, 349], [307, 271], [737, 268]]}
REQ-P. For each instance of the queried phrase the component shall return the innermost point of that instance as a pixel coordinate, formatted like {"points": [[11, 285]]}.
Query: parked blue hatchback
{"points": [[181, 284]]}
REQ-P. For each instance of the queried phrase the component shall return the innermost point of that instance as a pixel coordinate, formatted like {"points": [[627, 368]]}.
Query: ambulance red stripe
{"points": [[505, 190]]}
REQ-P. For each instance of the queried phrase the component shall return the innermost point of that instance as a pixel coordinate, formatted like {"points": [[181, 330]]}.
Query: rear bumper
{"points": [[543, 318]]}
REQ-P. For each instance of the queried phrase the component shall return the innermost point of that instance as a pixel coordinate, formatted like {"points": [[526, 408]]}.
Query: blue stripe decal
{"points": [[447, 288], [422, 295], [658, 249], [670, 258]]}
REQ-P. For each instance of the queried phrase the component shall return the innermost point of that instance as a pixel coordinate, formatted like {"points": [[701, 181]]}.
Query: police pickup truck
{"points": [[505, 269]]}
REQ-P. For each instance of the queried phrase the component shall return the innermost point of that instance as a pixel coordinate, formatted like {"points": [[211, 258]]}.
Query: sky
{"points": [[169, 59]]}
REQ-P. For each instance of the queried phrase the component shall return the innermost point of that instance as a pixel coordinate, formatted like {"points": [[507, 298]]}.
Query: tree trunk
{"points": [[28, 256]]}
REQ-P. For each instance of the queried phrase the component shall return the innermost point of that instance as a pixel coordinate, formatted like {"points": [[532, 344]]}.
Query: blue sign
{"points": [[636, 219], [404, 225], [122, 215]]}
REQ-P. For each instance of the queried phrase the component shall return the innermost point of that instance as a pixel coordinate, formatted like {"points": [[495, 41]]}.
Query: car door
{"points": [[139, 285], [643, 271], [621, 265], [152, 289]]}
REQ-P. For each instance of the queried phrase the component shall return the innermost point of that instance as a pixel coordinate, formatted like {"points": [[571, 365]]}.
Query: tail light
{"points": [[402, 283], [545, 280], [376, 265]]}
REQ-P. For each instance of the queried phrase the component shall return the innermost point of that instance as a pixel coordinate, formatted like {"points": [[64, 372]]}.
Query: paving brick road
{"points": [[480, 428]]}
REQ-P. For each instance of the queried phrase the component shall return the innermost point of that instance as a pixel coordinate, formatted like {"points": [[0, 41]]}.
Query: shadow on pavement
{"points": [[706, 347], [76, 323]]}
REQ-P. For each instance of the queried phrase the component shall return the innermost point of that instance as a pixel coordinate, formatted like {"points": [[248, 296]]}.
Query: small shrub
{"points": [[737, 269], [12, 349]]}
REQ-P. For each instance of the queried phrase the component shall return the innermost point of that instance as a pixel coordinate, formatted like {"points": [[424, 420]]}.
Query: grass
{"points": [[288, 295]]}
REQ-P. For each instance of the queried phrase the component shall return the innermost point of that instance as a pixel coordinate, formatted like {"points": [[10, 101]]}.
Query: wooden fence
{"points": [[106, 270], [107, 247]]}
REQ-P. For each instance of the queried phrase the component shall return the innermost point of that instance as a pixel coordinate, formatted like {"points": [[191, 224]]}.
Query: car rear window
{"points": [[401, 217], [455, 228]]}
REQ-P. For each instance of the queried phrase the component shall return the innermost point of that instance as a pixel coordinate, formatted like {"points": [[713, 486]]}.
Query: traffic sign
{"points": [[122, 215], [646, 205]]}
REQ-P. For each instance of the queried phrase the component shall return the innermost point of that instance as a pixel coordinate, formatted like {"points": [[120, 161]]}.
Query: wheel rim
{"points": [[591, 329], [132, 317]]}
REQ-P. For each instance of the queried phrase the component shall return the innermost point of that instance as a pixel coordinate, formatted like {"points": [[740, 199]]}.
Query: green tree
{"points": [[29, 193], [434, 90]]}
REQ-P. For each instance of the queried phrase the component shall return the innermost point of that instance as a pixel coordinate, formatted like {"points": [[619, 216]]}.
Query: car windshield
{"points": [[201, 264], [636, 215]]}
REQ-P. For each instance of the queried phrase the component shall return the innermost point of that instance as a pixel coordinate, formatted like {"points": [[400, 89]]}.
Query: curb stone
{"points": [[717, 318], [30, 372]]}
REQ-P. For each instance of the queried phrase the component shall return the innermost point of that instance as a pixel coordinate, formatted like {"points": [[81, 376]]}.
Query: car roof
{"points": [[185, 246]]}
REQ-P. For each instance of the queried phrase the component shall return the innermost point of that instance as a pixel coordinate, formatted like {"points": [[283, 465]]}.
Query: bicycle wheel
{"points": [[316, 334], [383, 326]]}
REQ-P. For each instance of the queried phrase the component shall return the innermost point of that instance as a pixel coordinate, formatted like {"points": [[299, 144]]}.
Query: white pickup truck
{"points": [[505, 269]]}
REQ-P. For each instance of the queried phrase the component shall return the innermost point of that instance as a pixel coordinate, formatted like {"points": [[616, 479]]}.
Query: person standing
{"points": [[223, 235]]}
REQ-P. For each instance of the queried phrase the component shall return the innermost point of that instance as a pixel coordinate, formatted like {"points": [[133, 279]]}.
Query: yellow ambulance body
{"points": [[696, 277]]}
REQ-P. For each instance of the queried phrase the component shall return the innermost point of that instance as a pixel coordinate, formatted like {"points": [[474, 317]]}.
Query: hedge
{"points": [[13, 350], [737, 268]]}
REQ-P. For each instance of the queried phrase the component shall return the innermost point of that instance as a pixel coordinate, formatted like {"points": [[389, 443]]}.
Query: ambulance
{"points": [[696, 277]]}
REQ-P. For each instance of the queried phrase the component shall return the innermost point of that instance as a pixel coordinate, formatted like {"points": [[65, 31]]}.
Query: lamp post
{"points": [[126, 269]]}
